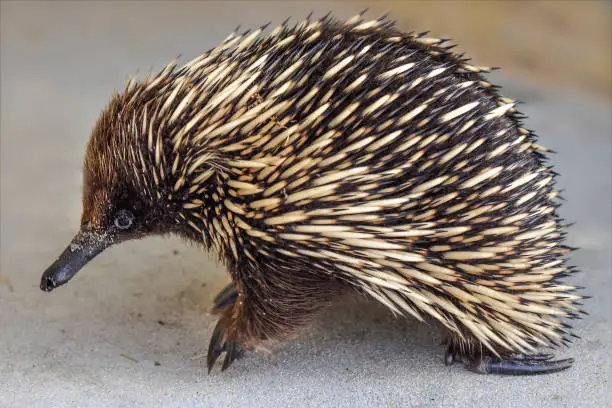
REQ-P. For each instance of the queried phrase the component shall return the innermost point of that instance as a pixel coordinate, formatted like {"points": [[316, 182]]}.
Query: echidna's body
{"points": [[334, 155]]}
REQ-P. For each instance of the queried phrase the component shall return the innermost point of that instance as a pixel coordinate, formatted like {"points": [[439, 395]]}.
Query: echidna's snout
{"points": [[83, 248]]}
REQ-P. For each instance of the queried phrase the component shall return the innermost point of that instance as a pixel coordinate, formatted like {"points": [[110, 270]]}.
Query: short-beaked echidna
{"points": [[331, 155]]}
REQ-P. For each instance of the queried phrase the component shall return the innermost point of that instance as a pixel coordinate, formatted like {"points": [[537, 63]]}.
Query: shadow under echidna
{"points": [[328, 157]]}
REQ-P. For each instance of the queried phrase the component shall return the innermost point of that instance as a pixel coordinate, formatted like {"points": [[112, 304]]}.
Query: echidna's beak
{"points": [[83, 248]]}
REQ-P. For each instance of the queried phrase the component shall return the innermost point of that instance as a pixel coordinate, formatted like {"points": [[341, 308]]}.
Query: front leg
{"points": [[265, 306]]}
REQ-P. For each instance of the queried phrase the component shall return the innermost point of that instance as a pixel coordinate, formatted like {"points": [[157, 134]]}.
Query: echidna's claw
{"points": [[489, 365], [216, 346], [220, 344], [225, 298], [232, 352]]}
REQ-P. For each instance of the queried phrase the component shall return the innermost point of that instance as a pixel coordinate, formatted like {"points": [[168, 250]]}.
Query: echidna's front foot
{"points": [[513, 364], [222, 341]]}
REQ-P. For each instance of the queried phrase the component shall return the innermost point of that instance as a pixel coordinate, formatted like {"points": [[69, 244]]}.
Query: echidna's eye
{"points": [[124, 219]]}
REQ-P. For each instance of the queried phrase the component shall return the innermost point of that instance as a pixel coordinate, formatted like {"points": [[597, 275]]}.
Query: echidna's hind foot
{"points": [[530, 365], [222, 342], [512, 364], [225, 299]]}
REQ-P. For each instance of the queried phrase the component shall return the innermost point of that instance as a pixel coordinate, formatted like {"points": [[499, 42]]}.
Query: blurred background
{"points": [[558, 43], [60, 61]]}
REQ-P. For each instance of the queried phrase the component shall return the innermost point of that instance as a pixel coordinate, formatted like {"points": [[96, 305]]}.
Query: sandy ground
{"points": [[131, 330]]}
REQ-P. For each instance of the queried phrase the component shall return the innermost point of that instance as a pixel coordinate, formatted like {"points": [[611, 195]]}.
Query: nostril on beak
{"points": [[48, 284], [82, 249]]}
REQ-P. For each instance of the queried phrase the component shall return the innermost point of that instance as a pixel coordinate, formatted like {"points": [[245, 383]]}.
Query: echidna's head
{"points": [[116, 205]]}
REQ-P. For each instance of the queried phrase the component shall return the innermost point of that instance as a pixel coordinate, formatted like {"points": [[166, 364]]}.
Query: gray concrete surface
{"points": [[131, 330]]}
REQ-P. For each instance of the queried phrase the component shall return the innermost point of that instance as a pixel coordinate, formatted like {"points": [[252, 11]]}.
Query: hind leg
{"points": [[479, 359]]}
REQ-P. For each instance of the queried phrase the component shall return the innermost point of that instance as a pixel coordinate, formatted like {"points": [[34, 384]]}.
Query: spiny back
{"points": [[309, 75]]}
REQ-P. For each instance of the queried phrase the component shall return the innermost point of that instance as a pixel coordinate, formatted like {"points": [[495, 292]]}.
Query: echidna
{"points": [[331, 155]]}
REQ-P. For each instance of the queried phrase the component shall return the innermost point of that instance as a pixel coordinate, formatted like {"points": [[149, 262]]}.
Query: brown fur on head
{"points": [[120, 176], [119, 203], [108, 188], [100, 172]]}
